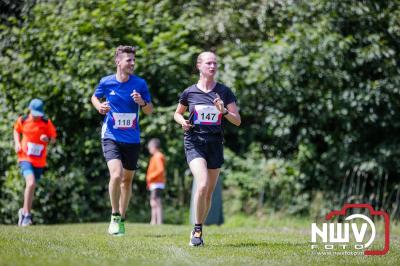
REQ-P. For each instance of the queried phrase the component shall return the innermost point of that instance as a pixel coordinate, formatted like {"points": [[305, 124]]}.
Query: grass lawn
{"points": [[277, 242]]}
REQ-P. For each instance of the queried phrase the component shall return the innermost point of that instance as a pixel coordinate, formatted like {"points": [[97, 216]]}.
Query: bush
{"points": [[255, 184]]}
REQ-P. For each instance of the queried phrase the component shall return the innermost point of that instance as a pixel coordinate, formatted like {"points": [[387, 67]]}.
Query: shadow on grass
{"points": [[160, 235], [265, 244]]}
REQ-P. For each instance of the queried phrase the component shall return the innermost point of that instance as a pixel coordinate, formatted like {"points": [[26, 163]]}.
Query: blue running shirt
{"points": [[121, 123]]}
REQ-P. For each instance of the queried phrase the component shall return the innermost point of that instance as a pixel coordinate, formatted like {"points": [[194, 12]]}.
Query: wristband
{"points": [[225, 112], [143, 105]]}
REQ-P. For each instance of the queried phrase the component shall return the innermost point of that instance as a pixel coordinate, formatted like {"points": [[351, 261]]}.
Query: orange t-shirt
{"points": [[33, 149], [156, 169]]}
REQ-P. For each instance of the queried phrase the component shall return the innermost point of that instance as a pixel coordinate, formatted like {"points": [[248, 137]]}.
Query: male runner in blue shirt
{"points": [[124, 95]]}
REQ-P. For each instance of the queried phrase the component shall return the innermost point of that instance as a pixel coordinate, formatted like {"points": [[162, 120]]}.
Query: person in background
{"points": [[156, 180], [37, 132]]}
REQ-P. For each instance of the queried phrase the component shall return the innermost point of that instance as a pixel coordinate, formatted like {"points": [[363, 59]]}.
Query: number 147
{"points": [[208, 116]]}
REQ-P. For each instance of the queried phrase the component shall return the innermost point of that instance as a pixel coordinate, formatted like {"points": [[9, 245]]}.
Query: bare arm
{"points": [[102, 108], [178, 117], [231, 110], [148, 108], [233, 115], [50, 136], [47, 139], [17, 141]]}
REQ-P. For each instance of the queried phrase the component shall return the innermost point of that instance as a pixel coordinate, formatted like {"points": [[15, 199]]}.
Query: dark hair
{"points": [[124, 49], [156, 142]]}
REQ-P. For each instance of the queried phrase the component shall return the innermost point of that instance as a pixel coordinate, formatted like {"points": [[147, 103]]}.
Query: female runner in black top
{"points": [[208, 102]]}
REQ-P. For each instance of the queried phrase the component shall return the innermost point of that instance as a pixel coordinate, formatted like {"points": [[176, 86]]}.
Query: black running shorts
{"points": [[128, 153], [211, 151]]}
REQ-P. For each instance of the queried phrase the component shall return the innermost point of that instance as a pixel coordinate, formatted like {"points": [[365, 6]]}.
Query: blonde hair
{"points": [[201, 55]]}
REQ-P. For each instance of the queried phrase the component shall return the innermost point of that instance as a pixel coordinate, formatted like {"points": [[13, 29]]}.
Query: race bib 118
{"points": [[124, 120], [207, 115]]}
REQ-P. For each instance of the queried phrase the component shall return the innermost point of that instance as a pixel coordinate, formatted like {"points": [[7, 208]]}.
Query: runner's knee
{"points": [[209, 195], [31, 184], [126, 181], [30, 181], [202, 189], [115, 176]]}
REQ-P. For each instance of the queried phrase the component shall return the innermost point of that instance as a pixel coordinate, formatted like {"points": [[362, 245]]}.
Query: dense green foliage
{"points": [[317, 83]]}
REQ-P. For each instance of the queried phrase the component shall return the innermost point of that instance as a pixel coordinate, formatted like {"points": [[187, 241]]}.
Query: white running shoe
{"points": [[20, 217], [113, 228], [24, 220]]}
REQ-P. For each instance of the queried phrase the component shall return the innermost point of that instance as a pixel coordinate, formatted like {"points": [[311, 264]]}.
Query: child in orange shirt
{"points": [[156, 180], [37, 131]]}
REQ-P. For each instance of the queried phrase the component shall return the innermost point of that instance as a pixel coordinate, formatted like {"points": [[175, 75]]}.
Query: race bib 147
{"points": [[124, 120], [207, 115]]}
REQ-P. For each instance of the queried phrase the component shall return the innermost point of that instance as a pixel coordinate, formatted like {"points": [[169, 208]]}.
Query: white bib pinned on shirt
{"points": [[207, 115], [124, 120], [35, 149]]}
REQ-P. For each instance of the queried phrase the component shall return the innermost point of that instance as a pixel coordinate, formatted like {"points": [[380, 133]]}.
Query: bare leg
{"points": [[212, 182], [126, 191], [153, 205], [29, 193], [159, 212], [115, 168], [198, 167]]}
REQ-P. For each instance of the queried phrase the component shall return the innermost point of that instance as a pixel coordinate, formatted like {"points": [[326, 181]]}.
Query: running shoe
{"points": [[196, 238], [113, 228], [27, 221], [24, 220], [121, 227], [20, 217]]}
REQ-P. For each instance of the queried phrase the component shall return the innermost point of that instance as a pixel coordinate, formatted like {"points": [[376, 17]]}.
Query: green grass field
{"points": [[278, 242]]}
